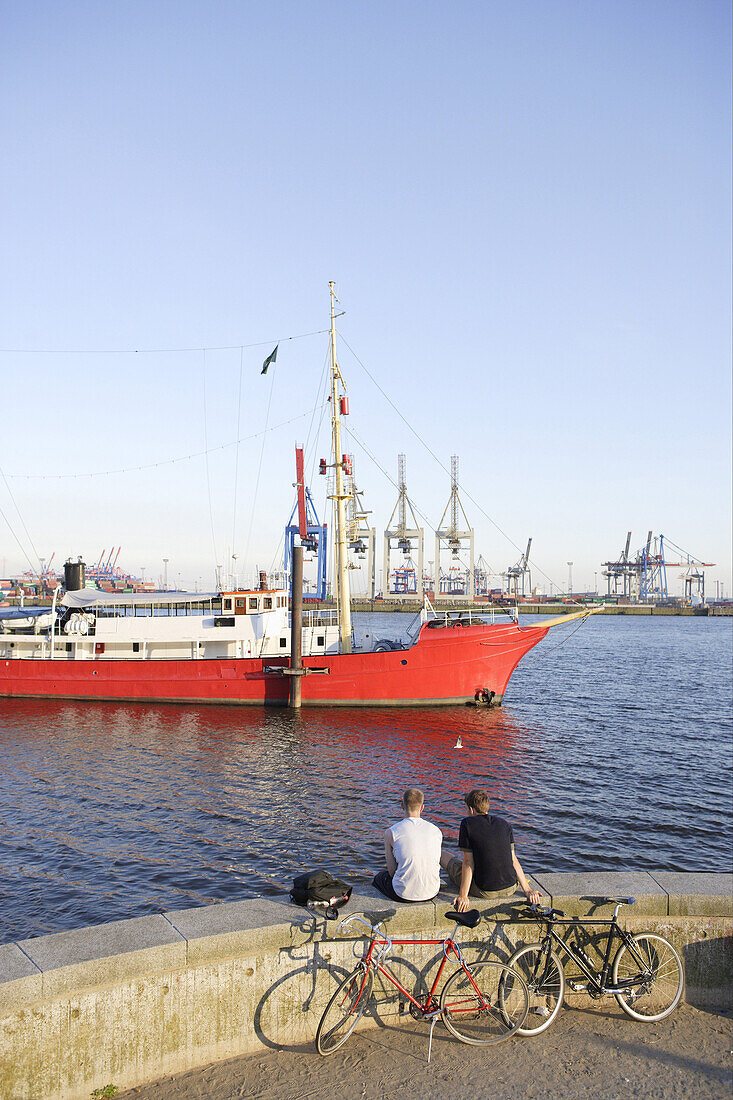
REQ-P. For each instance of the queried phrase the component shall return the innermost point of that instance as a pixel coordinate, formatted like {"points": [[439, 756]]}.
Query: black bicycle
{"points": [[645, 977]]}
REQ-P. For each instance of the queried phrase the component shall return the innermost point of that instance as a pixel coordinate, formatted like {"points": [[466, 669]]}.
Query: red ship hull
{"points": [[445, 666]]}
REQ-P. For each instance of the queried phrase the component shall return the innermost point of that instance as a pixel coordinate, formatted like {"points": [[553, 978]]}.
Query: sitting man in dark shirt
{"points": [[489, 868]]}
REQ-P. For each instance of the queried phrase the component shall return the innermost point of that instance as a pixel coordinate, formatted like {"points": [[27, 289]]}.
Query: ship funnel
{"points": [[74, 578]]}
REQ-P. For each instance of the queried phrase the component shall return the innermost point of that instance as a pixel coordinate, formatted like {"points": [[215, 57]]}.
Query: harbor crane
{"points": [[482, 577], [519, 573], [400, 536], [453, 538], [361, 538], [644, 577]]}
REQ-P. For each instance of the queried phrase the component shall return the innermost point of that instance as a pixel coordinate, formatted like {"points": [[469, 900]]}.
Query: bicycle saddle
{"points": [[469, 919]]}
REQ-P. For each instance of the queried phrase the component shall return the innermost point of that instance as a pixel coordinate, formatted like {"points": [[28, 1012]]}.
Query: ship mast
{"points": [[343, 598]]}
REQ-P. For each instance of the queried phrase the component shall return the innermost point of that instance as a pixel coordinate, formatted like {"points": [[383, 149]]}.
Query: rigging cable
{"points": [[352, 434], [259, 468], [208, 479], [22, 548], [432, 453], [20, 517], [154, 351], [163, 462], [321, 403], [544, 652], [236, 454]]}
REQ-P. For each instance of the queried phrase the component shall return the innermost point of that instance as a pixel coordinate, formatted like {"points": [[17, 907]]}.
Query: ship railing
{"points": [[446, 615]]}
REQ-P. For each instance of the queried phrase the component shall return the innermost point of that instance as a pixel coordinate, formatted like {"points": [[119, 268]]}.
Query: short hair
{"points": [[478, 801], [412, 799]]}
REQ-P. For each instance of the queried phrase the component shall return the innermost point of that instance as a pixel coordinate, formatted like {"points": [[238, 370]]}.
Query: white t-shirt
{"points": [[416, 846]]}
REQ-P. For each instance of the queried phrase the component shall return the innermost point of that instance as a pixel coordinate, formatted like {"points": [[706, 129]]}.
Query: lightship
{"points": [[237, 646]]}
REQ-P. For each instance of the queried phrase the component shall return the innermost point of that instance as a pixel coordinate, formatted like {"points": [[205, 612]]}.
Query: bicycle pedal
{"points": [[578, 987], [540, 1010]]}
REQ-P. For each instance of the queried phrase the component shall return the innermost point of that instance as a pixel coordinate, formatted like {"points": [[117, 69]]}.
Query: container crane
{"points": [[400, 536], [519, 572], [453, 538]]}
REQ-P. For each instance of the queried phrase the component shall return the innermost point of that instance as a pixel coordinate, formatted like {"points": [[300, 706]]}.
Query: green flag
{"points": [[270, 359]]}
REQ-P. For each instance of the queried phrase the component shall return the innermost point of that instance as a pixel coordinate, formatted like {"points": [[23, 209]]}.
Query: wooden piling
{"points": [[296, 628]]}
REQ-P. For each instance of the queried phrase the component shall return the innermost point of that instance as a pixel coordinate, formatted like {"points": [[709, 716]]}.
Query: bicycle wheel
{"points": [[484, 1004], [344, 1011], [545, 980], [656, 987]]}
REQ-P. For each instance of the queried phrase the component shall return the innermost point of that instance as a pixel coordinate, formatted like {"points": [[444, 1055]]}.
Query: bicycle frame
{"points": [[379, 947], [597, 979]]}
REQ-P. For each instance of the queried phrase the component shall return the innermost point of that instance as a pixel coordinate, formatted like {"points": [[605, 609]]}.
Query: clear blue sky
{"points": [[526, 210]]}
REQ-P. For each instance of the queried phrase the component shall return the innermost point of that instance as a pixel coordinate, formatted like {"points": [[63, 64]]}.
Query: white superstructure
{"points": [[173, 625]]}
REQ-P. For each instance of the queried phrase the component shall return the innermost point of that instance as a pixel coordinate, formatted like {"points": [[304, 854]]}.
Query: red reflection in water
{"points": [[312, 770]]}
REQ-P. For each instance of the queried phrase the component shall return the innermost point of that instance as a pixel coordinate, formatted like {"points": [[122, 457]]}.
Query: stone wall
{"points": [[131, 1001]]}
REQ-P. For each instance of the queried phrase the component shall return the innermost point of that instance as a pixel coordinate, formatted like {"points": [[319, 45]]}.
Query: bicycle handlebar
{"points": [[550, 914], [362, 920], [374, 932], [544, 911]]}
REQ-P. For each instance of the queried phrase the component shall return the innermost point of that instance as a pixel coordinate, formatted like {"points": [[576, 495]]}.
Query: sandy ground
{"points": [[590, 1052]]}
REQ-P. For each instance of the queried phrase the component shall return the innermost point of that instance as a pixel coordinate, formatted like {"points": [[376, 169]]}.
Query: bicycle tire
{"points": [[344, 1010], [663, 991], [476, 1018], [546, 985]]}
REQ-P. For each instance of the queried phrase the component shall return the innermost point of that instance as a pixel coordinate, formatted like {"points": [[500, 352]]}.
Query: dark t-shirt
{"points": [[489, 839]]}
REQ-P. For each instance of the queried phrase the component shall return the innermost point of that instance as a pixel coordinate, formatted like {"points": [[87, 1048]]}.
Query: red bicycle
{"points": [[485, 1002]]}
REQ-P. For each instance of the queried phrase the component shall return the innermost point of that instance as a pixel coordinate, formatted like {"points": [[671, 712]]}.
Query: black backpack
{"points": [[320, 891]]}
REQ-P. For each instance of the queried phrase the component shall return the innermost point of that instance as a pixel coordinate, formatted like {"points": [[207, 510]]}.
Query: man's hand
{"points": [[461, 903], [534, 897]]}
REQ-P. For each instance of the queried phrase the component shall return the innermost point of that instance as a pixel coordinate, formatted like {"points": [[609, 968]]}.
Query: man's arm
{"points": [[462, 902], [389, 851], [532, 895]]}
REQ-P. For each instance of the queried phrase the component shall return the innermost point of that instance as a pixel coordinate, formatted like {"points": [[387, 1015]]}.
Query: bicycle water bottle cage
{"points": [[469, 919]]}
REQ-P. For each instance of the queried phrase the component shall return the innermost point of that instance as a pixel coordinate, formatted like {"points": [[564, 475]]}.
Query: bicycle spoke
{"points": [[476, 1010], [344, 1011], [657, 989], [543, 973]]}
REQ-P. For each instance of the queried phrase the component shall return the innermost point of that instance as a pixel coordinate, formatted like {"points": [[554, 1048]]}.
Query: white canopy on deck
{"points": [[89, 597]]}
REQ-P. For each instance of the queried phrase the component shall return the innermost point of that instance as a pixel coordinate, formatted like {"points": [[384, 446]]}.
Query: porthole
{"points": [[403, 661]]}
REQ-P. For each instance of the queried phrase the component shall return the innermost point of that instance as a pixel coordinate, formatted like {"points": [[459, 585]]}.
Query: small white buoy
{"points": [[459, 743]]}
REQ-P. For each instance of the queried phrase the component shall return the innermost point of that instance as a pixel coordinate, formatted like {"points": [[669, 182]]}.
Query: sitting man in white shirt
{"points": [[412, 852]]}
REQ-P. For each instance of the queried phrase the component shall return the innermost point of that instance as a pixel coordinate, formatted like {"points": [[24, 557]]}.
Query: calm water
{"points": [[611, 751]]}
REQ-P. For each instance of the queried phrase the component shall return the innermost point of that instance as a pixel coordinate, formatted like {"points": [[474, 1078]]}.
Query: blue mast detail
{"points": [[316, 540]]}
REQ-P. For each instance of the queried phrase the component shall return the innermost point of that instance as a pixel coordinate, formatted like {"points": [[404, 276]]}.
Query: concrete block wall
{"points": [[134, 1000]]}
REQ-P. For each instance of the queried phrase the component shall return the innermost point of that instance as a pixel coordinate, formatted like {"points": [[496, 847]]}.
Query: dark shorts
{"points": [[383, 883], [454, 869]]}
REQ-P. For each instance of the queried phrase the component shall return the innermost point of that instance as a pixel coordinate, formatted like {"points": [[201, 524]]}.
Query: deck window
{"points": [[254, 603], [267, 603], [228, 605], [320, 639], [283, 643], [135, 647]]}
